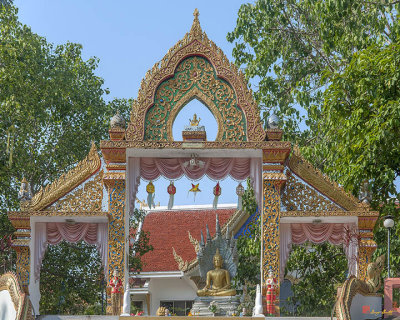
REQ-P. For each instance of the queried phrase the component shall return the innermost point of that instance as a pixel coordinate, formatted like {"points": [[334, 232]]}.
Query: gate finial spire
{"points": [[196, 31]]}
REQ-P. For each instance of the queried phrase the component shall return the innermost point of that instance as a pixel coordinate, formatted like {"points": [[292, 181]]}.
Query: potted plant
{"points": [[213, 307]]}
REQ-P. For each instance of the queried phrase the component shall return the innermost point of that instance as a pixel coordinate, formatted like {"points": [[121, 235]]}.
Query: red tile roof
{"points": [[169, 229]]}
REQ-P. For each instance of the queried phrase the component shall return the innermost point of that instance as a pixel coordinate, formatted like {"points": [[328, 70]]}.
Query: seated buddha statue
{"points": [[218, 281]]}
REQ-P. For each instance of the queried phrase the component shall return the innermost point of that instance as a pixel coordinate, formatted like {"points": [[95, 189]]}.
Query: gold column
{"points": [[367, 245], [272, 184], [115, 181], [21, 222], [23, 265]]}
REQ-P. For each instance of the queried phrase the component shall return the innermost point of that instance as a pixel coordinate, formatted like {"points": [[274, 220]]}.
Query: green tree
{"points": [[51, 107], [72, 285], [287, 45], [361, 126], [317, 271], [329, 70]]}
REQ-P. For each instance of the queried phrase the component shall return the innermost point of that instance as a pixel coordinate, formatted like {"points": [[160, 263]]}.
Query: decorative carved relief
{"points": [[67, 182], [270, 227], [298, 196], [195, 78], [112, 146], [195, 43], [322, 183], [194, 242], [23, 265], [182, 265], [116, 228], [88, 199]]}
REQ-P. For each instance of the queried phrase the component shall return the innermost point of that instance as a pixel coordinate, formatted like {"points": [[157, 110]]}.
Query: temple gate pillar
{"points": [[272, 185], [115, 182], [21, 222], [23, 265], [366, 246]]}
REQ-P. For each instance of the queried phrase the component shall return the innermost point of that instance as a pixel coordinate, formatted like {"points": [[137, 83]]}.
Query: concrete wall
{"points": [[170, 289]]}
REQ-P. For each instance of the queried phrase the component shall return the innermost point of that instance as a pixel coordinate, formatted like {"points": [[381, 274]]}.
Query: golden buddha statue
{"points": [[218, 281]]}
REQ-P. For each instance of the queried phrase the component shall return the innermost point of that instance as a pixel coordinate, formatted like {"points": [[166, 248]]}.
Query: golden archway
{"points": [[195, 44]]}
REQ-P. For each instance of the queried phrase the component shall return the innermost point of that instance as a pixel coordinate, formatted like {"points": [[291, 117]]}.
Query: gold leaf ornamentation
{"points": [[182, 265], [116, 228], [194, 242], [67, 182], [88, 199], [194, 44], [303, 169], [270, 228], [298, 196]]}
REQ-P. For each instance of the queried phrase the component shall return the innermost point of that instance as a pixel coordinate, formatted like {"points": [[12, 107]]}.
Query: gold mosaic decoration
{"points": [[21, 220], [195, 78], [67, 182], [298, 196], [303, 169], [328, 213], [116, 228], [23, 265], [365, 250], [87, 199], [283, 146], [270, 227], [195, 43]]}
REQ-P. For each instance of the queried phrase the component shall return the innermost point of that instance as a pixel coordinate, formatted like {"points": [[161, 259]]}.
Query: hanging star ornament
{"points": [[195, 189]]}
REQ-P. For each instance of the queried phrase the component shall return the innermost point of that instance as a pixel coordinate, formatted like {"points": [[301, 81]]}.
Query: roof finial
{"points": [[196, 31], [196, 13]]}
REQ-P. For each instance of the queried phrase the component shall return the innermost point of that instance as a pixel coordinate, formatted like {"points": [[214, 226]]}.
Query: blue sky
{"points": [[129, 37]]}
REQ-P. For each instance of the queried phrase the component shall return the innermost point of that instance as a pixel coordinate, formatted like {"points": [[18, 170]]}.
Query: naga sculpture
{"points": [[353, 285]]}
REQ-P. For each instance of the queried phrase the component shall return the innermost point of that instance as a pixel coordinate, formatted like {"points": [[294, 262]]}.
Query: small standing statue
{"points": [[116, 285], [194, 122], [271, 295], [25, 192]]}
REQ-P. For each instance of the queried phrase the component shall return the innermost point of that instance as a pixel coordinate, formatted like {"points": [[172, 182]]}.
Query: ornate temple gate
{"points": [[195, 68]]}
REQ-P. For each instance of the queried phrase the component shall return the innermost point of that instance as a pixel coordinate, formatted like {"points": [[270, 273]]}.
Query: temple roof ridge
{"points": [[65, 183], [321, 182]]}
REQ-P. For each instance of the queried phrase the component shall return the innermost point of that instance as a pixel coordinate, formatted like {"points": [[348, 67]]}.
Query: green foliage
{"points": [[286, 45], [361, 123], [7, 254], [51, 107], [329, 69], [140, 243], [318, 270], [73, 284]]}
